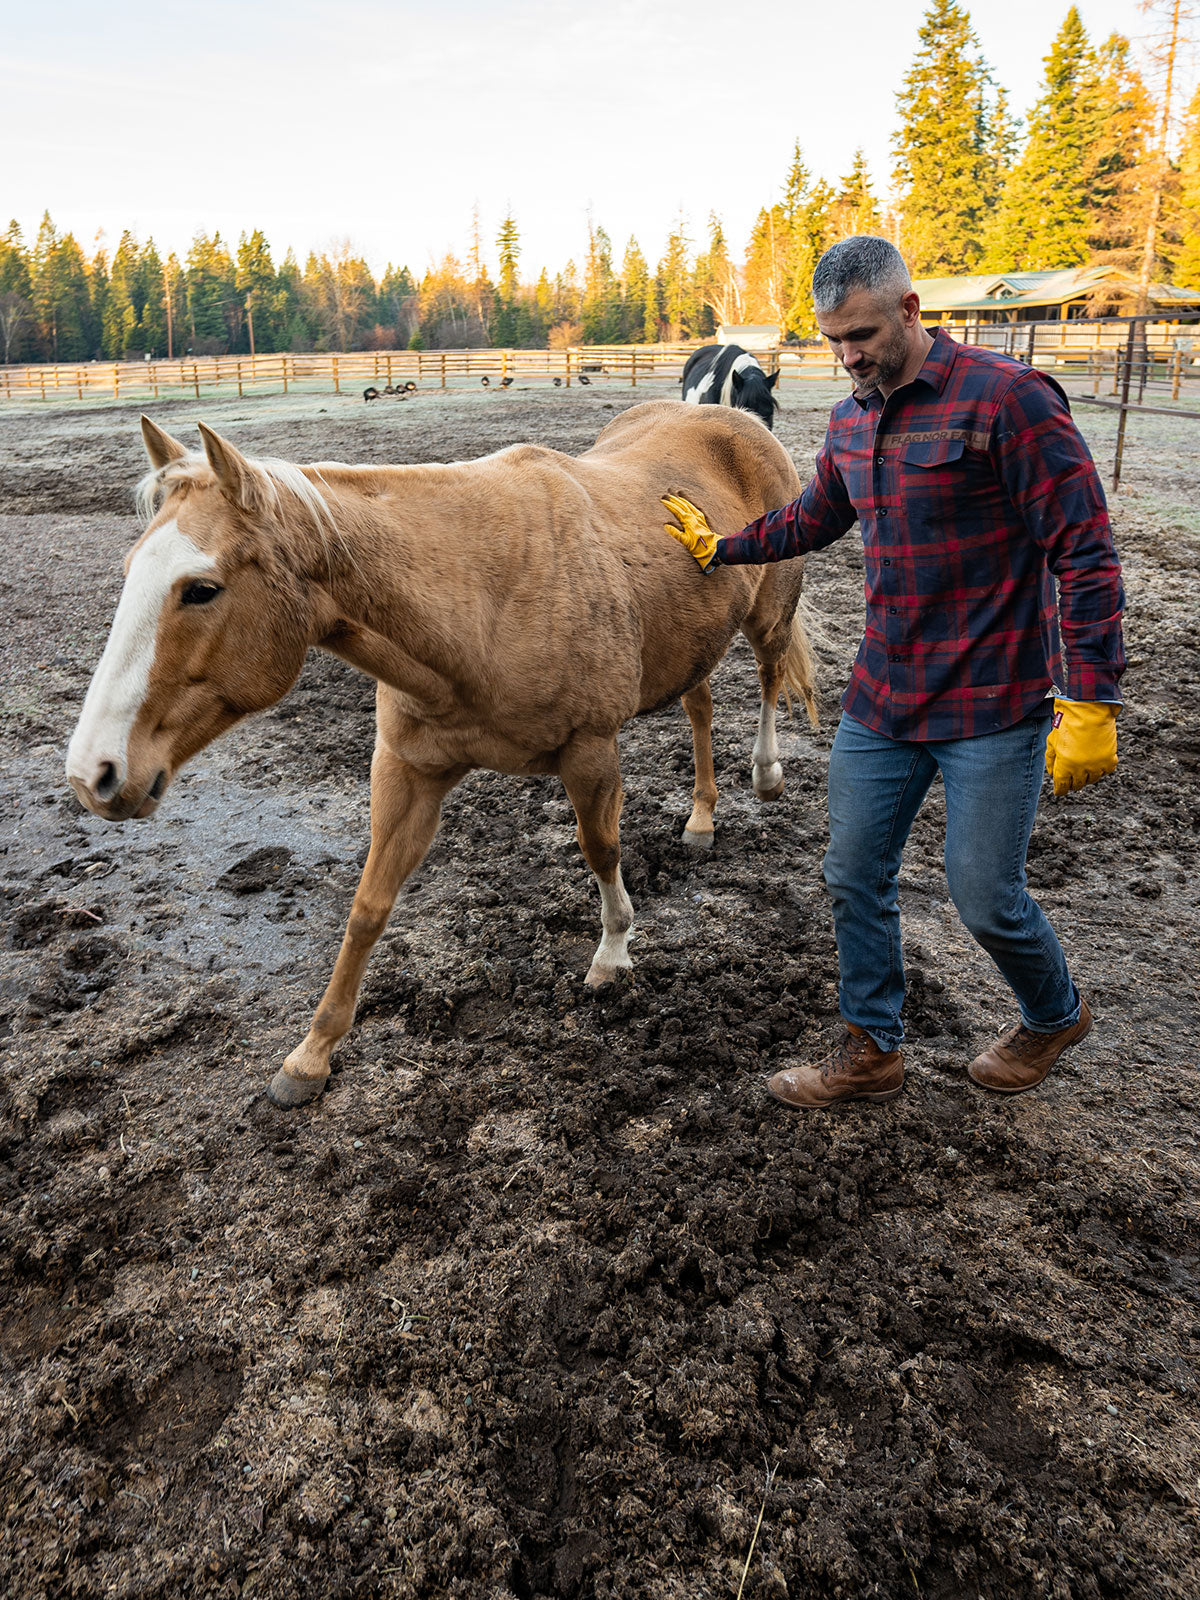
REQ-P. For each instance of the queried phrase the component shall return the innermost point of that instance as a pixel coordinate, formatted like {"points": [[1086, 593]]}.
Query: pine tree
{"points": [[1043, 217], [398, 306], [153, 319], [255, 283], [294, 332], [855, 209], [97, 301], [943, 170], [119, 330], [505, 320], [1121, 115], [600, 311], [812, 232], [676, 285], [14, 263], [211, 295], [60, 294], [542, 309], [1187, 266], [767, 267]]}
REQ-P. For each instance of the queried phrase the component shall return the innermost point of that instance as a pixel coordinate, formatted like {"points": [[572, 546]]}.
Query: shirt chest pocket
{"points": [[934, 476], [922, 455]]}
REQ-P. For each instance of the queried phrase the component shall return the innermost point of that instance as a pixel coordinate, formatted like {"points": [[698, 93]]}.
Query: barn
{"points": [[1065, 293]]}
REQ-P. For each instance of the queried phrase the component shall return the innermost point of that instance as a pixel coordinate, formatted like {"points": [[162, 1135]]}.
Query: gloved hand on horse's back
{"points": [[696, 537]]}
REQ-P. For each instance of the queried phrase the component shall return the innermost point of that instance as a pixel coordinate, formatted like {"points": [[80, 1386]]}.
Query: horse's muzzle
{"points": [[118, 802]]}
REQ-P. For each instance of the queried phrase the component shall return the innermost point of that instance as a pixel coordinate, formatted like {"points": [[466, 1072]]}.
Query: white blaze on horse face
{"points": [[743, 363], [118, 687]]}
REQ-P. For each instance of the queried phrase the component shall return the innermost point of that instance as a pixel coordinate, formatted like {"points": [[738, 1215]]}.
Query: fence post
{"points": [[633, 355], [1176, 374], [337, 382], [196, 379], [116, 381], [42, 377], [1124, 405], [79, 383], [238, 370], [1029, 354]]}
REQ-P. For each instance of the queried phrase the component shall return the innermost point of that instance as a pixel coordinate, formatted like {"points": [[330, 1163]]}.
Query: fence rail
{"points": [[1113, 354], [1092, 351]]}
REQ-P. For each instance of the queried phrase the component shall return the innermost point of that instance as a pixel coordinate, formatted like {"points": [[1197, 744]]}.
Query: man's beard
{"points": [[887, 366]]}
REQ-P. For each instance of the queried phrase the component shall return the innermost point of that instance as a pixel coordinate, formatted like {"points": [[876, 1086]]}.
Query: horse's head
{"points": [[213, 621], [752, 392]]}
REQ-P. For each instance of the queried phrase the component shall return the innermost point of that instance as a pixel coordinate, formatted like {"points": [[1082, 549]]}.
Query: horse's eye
{"points": [[199, 594]]}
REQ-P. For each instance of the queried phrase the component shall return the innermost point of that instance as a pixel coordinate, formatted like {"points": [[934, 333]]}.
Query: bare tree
{"points": [[1163, 48], [16, 314]]}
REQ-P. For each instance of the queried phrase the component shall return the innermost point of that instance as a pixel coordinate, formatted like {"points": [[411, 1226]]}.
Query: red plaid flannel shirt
{"points": [[974, 490]]}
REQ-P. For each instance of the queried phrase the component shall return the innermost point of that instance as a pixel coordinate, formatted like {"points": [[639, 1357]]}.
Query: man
{"points": [[974, 491]]}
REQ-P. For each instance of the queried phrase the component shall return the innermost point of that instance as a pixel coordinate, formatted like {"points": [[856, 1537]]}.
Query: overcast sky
{"points": [[387, 123]]}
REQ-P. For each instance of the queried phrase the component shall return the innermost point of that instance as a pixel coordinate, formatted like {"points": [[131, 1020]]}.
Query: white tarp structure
{"points": [[750, 335]]}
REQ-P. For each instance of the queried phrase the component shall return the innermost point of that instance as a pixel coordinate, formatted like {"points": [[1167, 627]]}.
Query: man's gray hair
{"points": [[861, 262]]}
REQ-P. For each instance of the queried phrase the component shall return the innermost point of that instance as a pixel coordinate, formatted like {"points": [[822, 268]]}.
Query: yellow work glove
{"points": [[696, 537], [1082, 747]]}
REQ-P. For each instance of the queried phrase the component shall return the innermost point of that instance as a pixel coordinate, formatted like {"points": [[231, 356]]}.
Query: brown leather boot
{"points": [[1021, 1058], [855, 1069]]}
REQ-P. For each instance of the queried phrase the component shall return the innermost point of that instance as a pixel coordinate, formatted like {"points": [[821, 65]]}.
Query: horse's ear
{"points": [[235, 475], [160, 446], [773, 379]]}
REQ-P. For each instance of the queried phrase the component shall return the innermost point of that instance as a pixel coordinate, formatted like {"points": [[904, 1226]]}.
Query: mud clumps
{"points": [[545, 1297]]}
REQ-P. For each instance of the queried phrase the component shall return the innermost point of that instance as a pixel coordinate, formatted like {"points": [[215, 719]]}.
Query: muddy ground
{"points": [[545, 1297]]}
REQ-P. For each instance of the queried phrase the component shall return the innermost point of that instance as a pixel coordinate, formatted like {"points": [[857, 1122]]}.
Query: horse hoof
{"points": [[287, 1092], [768, 781], [600, 978], [697, 841]]}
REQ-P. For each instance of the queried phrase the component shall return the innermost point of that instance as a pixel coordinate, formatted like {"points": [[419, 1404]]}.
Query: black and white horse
{"points": [[727, 375]]}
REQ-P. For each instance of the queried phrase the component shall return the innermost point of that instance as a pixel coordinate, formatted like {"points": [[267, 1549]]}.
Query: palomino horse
{"points": [[515, 612]]}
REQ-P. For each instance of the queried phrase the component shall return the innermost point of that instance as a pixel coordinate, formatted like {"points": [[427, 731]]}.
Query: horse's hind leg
{"points": [[699, 706], [405, 807], [784, 659], [591, 775]]}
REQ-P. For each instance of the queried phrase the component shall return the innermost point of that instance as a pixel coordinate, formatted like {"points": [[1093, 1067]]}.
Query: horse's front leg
{"points": [[591, 775], [405, 808]]}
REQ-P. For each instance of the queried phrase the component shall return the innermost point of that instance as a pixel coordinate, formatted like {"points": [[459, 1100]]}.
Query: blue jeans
{"points": [[876, 786]]}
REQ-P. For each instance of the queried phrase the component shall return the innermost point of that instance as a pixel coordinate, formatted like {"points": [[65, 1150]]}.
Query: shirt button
{"points": [[891, 611], [878, 461], [883, 513], [887, 561]]}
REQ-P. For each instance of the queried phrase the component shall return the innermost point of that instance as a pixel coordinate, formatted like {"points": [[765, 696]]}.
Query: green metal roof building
{"points": [[1044, 296]]}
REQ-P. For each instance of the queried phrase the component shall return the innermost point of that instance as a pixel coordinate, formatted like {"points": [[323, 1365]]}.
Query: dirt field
{"points": [[545, 1297]]}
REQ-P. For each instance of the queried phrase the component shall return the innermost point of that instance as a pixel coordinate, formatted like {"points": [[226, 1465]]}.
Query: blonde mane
{"points": [[277, 477]]}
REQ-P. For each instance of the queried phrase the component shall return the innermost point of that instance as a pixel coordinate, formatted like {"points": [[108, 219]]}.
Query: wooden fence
{"points": [[1092, 351]]}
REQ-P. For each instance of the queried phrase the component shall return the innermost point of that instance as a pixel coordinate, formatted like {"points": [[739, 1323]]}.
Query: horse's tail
{"points": [[799, 665]]}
